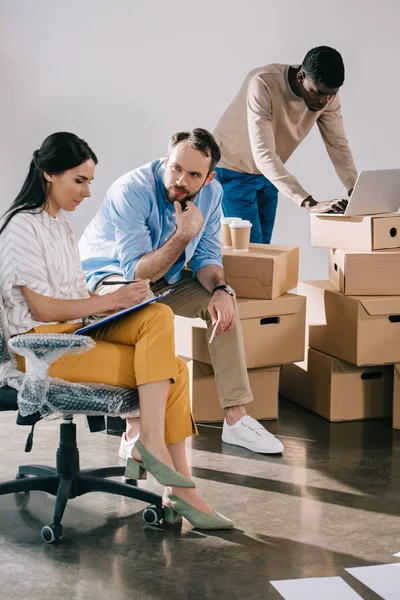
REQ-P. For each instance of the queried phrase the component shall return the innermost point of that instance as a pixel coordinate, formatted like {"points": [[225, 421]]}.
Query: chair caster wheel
{"points": [[152, 515], [52, 533]]}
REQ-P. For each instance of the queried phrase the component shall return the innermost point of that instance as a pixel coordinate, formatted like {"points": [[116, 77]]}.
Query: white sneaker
{"points": [[250, 434], [126, 446]]}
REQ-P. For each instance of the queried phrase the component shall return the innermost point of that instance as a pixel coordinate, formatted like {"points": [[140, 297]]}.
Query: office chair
{"points": [[36, 395]]}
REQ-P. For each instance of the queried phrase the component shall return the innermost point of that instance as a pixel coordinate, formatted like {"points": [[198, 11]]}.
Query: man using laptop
{"points": [[273, 112], [153, 222]]}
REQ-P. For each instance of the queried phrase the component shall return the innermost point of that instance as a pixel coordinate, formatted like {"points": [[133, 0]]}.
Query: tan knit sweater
{"points": [[266, 122]]}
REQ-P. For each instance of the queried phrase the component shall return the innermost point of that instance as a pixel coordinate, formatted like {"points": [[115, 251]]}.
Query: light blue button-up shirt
{"points": [[136, 218]]}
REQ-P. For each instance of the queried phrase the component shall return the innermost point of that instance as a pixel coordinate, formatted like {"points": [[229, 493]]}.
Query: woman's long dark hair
{"points": [[58, 153]]}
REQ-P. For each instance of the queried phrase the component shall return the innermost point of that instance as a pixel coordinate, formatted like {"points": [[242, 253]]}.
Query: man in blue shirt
{"points": [[152, 223]]}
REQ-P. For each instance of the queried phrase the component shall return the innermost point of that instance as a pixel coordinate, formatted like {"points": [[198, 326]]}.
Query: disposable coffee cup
{"points": [[240, 233], [226, 232]]}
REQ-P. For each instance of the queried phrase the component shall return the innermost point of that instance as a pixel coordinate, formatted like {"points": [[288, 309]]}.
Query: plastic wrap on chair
{"points": [[40, 350], [49, 347], [88, 399], [54, 397]]}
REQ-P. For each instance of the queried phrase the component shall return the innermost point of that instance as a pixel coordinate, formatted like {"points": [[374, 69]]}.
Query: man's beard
{"points": [[182, 199]]}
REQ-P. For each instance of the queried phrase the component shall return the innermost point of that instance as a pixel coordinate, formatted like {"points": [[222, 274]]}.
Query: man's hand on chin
{"points": [[221, 309]]}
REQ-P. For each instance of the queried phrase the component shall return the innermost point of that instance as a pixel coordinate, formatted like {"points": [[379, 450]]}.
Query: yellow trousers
{"points": [[131, 351]]}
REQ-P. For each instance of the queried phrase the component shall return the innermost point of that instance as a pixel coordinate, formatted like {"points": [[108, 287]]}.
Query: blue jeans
{"points": [[251, 197]]}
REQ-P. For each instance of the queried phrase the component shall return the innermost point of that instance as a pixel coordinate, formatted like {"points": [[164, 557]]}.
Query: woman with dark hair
{"points": [[44, 290]]}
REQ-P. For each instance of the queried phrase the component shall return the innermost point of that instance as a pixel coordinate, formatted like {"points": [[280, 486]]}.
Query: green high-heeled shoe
{"points": [[159, 470], [171, 516], [197, 518]]}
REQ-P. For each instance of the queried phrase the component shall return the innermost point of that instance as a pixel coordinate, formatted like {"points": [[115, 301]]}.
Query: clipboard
{"points": [[120, 313]]}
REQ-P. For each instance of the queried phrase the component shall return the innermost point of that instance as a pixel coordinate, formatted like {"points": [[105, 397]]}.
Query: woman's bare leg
{"points": [[132, 427], [153, 401], [191, 496]]}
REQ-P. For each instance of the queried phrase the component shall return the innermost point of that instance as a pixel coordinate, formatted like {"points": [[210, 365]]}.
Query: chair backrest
{"points": [[4, 352]]}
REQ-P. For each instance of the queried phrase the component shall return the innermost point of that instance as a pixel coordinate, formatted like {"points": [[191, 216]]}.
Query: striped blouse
{"points": [[39, 252]]}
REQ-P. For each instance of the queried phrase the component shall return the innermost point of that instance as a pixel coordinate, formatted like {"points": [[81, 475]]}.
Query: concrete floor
{"points": [[332, 501]]}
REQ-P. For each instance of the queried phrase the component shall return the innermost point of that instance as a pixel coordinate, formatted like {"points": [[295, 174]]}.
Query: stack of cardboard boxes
{"points": [[353, 322], [273, 323]]}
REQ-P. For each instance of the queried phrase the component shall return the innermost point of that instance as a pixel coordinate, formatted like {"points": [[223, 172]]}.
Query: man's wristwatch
{"points": [[225, 288]]}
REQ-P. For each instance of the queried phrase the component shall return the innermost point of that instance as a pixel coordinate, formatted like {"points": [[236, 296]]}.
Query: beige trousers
{"points": [[226, 351]]}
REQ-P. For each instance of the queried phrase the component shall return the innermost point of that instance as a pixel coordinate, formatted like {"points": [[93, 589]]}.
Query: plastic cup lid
{"points": [[229, 220], [241, 224]]}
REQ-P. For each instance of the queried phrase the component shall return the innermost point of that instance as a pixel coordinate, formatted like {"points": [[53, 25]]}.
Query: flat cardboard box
{"points": [[360, 273], [337, 390], [315, 291], [273, 332], [361, 330], [204, 396], [315, 294], [372, 232], [264, 272]]}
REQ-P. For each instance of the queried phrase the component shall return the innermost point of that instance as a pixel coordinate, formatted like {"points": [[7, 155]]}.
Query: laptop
{"points": [[375, 192]]}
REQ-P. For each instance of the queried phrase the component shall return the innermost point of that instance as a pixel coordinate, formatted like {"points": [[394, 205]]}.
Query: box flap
{"points": [[322, 356], [274, 368], [260, 251], [323, 284], [386, 215], [380, 305], [245, 266], [253, 286], [369, 253], [287, 304], [340, 364], [332, 218], [346, 367]]}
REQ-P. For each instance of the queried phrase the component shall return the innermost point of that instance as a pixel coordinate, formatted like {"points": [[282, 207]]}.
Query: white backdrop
{"points": [[125, 75]]}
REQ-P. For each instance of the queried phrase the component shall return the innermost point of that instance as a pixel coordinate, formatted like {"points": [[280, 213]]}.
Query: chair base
{"points": [[67, 481]]}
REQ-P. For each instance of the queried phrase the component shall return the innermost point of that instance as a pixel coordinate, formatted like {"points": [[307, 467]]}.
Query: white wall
{"points": [[126, 74]]}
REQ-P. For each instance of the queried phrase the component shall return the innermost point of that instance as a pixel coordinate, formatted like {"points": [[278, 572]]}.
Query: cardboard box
{"points": [[361, 330], [204, 396], [273, 332], [265, 272], [314, 291], [396, 397], [337, 390], [360, 273], [373, 232]]}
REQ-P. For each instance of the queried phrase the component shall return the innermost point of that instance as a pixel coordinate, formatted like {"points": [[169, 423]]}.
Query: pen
{"points": [[213, 332], [119, 282]]}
